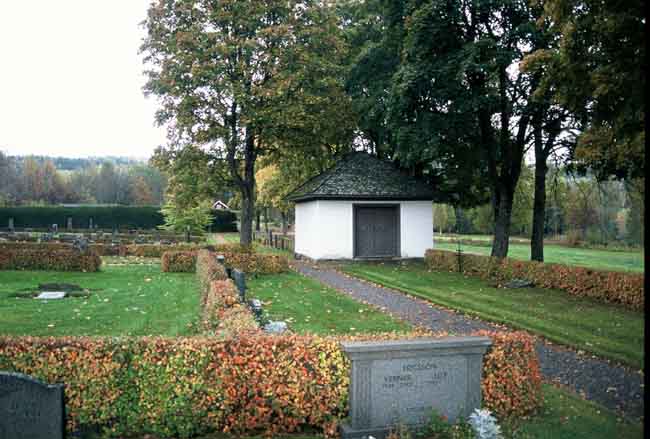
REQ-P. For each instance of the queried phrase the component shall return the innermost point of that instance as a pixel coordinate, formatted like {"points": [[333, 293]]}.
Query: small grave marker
{"points": [[240, 281], [51, 295], [11, 224], [275, 327], [402, 382], [30, 409]]}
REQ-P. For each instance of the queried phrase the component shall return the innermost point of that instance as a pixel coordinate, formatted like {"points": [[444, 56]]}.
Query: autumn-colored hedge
{"points": [[178, 262], [223, 314], [511, 382], [208, 269], [142, 250], [255, 263], [53, 259], [182, 387], [606, 286]]}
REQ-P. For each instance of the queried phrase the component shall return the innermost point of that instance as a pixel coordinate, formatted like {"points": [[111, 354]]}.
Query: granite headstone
{"points": [[30, 409], [403, 382]]}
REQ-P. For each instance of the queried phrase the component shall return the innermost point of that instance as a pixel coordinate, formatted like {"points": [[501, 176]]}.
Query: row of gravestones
{"points": [[91, 226], [103, 238], [239, 279], [392, 383]]}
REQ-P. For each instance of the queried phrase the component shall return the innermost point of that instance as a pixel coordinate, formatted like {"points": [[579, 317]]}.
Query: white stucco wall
{"points": [[324, 228], [305, 227]]}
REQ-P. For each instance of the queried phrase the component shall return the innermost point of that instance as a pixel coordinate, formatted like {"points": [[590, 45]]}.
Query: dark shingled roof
{"points": [[361, 176]]}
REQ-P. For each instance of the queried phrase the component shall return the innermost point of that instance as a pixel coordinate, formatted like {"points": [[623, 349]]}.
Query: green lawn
{"points": [[597, 259], [566, 416], [132, 298], [606, 330], [310, 307]]}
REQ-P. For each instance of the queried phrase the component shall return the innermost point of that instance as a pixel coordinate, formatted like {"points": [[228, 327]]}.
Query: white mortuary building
{"points": [[363, 207]]}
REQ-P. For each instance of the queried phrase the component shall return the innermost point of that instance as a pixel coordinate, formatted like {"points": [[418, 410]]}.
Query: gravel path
{"points": [[611, 385]]}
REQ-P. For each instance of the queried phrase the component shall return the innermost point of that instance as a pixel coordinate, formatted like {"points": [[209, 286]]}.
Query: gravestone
{"points": [[30, 408], [240, 281], [11, 224], [90, 223], [256, 307], [80, 244], [402, 382], [519, 283], [69, 223], [55, 228]]}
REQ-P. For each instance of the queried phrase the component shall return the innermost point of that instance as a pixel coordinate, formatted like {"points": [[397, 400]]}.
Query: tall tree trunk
{"points": [[539, 201], [266, 219], [248, 192], [257, 219], [539, 211], [246, 185], [502, 220]]}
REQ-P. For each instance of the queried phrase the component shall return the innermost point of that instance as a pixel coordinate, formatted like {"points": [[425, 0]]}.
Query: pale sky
{"points": [[71, 79]]}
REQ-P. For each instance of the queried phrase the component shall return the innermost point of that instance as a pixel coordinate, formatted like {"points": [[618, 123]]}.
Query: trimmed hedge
{"points": [[208, 269], [511, 382], [255, 263], [178, 262], [182, 387], [105, 217], [224, 315], [606, 286], [141, 250], [52, 259]]}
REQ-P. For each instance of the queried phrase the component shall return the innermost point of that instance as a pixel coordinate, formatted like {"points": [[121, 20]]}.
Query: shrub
{"points": [[178, 262], [222, 294], [511, 382], [606, 286], [182, 387], [254, 263], [208, 269], [108, 217], [44, 258]]}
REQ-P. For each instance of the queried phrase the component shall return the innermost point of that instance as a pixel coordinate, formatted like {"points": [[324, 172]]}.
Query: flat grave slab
{"points": [[51, 295]]}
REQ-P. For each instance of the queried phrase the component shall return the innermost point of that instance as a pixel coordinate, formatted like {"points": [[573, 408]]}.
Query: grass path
{"points": [[606, 330], [597, 259], [126, 299]]}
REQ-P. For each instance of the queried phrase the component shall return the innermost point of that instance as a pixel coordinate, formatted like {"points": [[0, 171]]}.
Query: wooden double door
{"points": [[376, 231]]}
